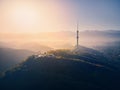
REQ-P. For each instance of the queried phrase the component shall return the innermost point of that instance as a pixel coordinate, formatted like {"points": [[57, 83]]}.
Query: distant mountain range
{"points": [[61, 39], [36, 47], [31, 46], [105, 33]]}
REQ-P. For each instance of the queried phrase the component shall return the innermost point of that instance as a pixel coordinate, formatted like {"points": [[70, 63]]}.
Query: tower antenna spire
{"points": [[77, 38]]}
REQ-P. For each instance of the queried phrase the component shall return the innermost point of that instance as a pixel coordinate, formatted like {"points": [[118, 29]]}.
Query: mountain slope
{"points": [[10, 57], [86, 54], [60, 72], [112, 52]]}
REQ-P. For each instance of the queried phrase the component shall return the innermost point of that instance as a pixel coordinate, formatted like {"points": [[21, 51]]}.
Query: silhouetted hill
{"points": [[10, 57], [112, 52], [86, 54], [62, 70]]}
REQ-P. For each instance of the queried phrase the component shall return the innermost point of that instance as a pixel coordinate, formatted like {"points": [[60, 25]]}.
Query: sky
{"points": [[33, 16], [99, 14]]}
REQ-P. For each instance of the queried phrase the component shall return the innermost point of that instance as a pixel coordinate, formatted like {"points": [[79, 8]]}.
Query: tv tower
{"points": [[77, 38]]}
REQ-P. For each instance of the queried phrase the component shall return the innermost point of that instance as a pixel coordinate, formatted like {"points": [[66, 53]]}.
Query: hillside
{"points": [[86, 54], [63, 70], [112, 52], [9, 57]]}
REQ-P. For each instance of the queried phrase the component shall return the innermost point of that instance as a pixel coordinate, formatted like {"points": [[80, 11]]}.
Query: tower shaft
{"points": [[77, 38]]}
